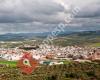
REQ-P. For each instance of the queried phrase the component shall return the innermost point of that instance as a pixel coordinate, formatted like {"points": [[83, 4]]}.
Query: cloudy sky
{"points": [[44, 15]]}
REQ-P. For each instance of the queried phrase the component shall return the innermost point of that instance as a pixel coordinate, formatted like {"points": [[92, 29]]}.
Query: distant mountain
{"points": [[23, 36], [87, 33]]}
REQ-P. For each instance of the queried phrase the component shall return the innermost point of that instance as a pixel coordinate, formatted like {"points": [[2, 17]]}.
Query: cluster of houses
{"points": [[53, 53]]}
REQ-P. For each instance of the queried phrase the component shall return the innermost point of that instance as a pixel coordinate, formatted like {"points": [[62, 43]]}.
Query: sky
{"points": [[25, 16]]}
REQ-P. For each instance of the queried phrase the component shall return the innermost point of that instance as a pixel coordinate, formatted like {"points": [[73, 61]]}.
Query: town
{"points": [[54, 54]]}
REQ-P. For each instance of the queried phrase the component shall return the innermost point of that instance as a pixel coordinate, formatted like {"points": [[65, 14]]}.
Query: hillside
{"points": [[91, 38], [79, 38]]}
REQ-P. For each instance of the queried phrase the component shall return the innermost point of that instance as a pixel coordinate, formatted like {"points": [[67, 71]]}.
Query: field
{"points": [[8, 63], [95, 44], [78, 40]]}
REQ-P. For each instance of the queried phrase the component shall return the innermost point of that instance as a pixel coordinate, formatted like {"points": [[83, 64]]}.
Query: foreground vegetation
{"points": [[72, 71]]}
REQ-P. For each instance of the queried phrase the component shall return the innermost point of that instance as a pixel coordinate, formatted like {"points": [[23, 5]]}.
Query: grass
{"points": [[95, 45], [14, 63], [9, 63], [66, 61]]}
